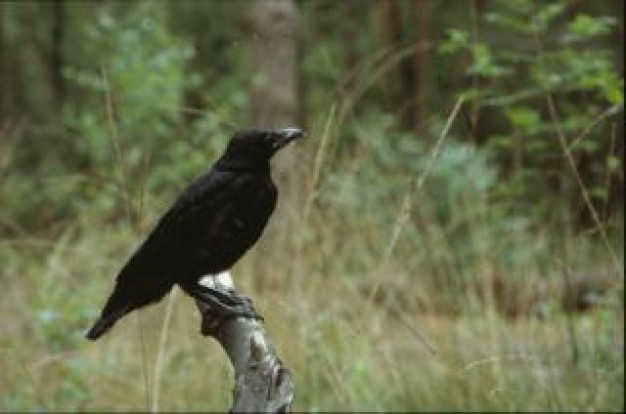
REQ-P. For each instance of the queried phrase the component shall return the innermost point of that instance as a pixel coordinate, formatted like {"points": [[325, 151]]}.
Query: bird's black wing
{"points": [[148, 274], [182, 224]]}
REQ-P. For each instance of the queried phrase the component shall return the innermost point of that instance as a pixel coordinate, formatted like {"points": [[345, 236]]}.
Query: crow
{"points": [[212, 223]]}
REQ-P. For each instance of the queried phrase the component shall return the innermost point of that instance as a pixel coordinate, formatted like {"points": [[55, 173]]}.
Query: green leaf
{"points": [[524, 118], [584, 26], [549, 12], [456, 40], [612, 163], [510, 22], [484, 63], [598, 192]]}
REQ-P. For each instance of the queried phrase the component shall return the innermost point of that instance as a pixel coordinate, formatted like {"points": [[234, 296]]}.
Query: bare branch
{"points": [[262, 383]]}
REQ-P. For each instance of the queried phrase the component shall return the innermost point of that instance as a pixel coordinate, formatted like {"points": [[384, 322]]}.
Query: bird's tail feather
{"points": [[105, 323], [128, 295]]}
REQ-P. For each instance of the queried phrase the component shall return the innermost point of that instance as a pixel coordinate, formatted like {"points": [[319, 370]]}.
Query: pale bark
{"points": [[262, 383]]}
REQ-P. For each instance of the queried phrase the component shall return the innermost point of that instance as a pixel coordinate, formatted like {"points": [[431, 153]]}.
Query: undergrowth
{"points": [[431, 337]]}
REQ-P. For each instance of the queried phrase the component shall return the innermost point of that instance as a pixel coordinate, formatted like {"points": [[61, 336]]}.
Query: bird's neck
{"points": [[244, 165]]}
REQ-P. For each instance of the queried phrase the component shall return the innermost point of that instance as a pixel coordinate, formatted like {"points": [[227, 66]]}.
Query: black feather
{"points": [[214, 221]]}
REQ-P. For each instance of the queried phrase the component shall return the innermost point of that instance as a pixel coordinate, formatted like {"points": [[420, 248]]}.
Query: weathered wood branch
{"points": [[262, 382]]}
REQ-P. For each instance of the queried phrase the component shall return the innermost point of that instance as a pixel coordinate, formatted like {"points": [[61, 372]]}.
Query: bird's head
{"points": [[260, 145]]}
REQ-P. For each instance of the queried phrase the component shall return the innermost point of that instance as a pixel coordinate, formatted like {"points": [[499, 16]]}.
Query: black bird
{"points": [[214, 221]]}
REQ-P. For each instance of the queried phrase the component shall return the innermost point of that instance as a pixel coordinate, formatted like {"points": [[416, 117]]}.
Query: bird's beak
{"points": [[287, 135]]}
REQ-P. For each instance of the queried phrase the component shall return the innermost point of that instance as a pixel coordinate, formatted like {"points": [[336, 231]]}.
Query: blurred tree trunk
{"points": [[387, 33], [272, 34], [9, 75], [56, 62], [349, 32], [4, 96], [421, 9], [398, 83]]}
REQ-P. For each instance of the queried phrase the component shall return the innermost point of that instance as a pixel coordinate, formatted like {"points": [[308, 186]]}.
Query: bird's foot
{"points": [[225, 303]]}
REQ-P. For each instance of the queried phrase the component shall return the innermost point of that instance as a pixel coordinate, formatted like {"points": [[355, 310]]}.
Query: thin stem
{"points": [[161, 351]]}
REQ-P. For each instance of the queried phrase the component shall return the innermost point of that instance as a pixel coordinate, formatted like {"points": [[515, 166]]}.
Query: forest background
{"points": [[449, 237]]}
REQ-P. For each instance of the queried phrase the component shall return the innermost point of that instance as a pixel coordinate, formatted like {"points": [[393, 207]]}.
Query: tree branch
{"points": [[262, 382]]}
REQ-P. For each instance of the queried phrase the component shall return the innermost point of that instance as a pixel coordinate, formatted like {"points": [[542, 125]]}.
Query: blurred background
{"points": [[450, 236]]}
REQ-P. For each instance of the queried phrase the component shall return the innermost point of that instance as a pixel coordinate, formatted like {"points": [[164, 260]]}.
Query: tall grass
{"points": [[431, 337], [435, 298], [341, 357]]}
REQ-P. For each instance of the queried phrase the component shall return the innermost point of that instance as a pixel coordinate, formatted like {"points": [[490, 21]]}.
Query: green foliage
{"points": [[566, 58], [135, 74], [153, 91], [123, 135], [340, 359]]}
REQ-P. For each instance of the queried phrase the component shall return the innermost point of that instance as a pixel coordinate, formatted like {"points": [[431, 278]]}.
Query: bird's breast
{"points": [[250, 212], [237, 225]]}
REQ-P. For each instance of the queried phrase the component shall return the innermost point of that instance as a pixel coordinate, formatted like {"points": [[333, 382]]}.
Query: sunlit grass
{"points": [[386, 299], [344, 354]]}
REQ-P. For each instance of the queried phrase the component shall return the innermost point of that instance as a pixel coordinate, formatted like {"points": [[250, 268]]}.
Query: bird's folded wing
{"points": [[184, 221]]}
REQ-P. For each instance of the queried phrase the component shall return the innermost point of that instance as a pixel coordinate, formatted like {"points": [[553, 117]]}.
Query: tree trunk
{"points": [[8, 83], [398, 85], [272, 35], [421, 61], [349, 32], [386, 30], [56, 61], [3, 72]]}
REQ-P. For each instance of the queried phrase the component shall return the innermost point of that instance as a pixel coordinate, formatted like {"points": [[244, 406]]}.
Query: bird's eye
{"points": [[271, 141]]}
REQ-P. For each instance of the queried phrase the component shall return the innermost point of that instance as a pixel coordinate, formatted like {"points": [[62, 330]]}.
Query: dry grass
{"points": [[344, 354], [397, 316]]}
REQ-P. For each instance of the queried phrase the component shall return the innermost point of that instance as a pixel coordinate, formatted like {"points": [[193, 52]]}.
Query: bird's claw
{"points": [[217, 311], [225, 304]]}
